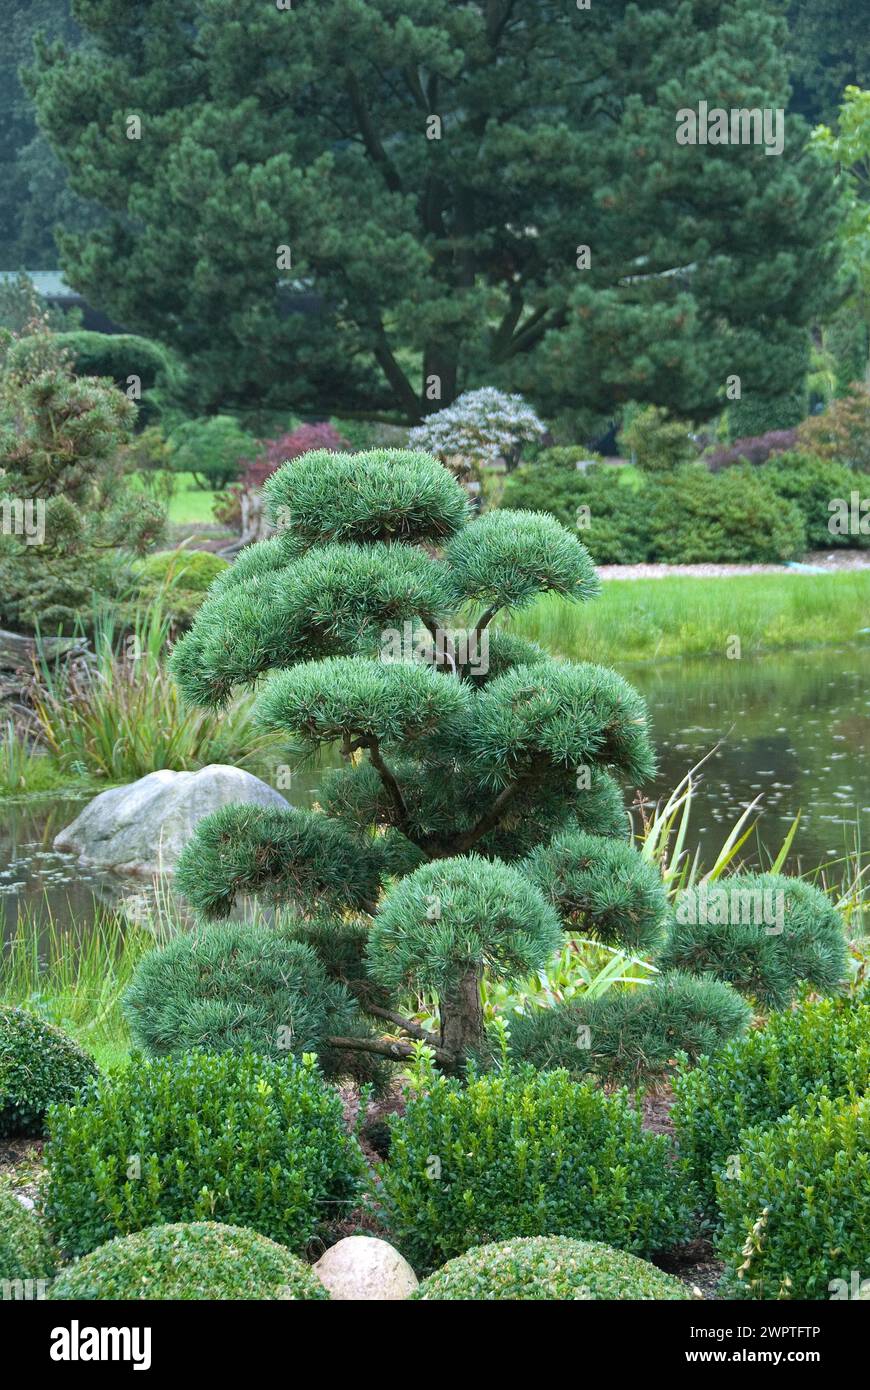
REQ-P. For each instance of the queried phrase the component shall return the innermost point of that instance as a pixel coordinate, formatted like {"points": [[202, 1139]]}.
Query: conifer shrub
{"points": [[813, 483], [39, 1065], [189, 1261], [697, 517], [821, 1046], [548, 1268], [796, 1207], [764, 934], [238, 987], [527, 1153], [25, 1250], [242, 1139], [461, 748], [631, 1035], [609, 517]]}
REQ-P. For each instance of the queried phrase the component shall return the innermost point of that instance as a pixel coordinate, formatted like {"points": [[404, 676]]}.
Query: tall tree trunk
{"points": [[462, 1018]]}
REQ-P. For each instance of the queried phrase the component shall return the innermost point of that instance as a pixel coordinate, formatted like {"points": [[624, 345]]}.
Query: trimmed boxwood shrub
{"points": [[38, 1066], [242, 1139], [796, 1213], [696, 517], [197, 1260], [614, 530], [755, 1079], [762, 933], [25, 1250], [549, 1268], [523, 1153]]}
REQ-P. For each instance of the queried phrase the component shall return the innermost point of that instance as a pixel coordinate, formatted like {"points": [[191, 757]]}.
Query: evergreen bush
{"points": [[796, 1209], [753, 1080], [187, 1261], [242, 1139], [734, 517], [813, 483], [609, 517], [39, 1065], [25, 1250], [548, 1268], [764, 934], [462, 749], [526, 1153]]}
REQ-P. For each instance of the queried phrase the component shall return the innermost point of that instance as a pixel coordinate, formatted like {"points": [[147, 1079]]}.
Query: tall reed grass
{"points": [[121, 716]]}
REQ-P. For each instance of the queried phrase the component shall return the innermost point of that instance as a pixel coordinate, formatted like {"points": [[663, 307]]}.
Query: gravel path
{"points": [[847, 560]]}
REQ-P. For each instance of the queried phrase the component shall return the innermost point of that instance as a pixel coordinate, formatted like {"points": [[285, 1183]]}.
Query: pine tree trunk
{"points": [[462, 1018]]}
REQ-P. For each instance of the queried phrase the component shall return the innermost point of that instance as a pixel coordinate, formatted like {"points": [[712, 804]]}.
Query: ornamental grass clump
{"points": [[819, 1047], [365, 624], [526, 1153], [189, 1261], [796, 1205], [245, 1140], [547, 1269]]}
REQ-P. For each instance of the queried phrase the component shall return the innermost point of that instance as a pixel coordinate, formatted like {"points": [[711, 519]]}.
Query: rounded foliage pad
{"points": [[235, 986], [286, 856], [601, 885], [763, 933], [549, 1268], [561, 714], [392, 702], [379, 495], [189, 1261], [628, 1035], [507, 558], [455, 915]]}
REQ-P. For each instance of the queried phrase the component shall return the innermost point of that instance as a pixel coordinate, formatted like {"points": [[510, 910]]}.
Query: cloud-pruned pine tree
{"points": [[477, 814]]}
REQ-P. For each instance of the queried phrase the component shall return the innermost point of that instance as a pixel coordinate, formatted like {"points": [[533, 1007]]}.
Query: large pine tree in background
{"points": [[451, 257]]}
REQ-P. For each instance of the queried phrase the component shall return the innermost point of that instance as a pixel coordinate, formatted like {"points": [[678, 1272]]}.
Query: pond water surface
{"points": [[794, 728]]}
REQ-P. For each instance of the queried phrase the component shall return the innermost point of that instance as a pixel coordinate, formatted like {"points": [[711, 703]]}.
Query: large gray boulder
{"points": [[142, 828]]}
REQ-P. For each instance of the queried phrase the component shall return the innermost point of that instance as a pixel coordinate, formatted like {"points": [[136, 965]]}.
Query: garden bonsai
{"points": [[477, 815]]}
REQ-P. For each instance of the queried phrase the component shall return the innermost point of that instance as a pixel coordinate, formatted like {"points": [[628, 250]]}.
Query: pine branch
{"points": [[407, 1025], [393, 1050]]}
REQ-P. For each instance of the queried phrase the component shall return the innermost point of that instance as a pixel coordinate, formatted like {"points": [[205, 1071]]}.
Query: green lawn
{"points": [[641, 619], [190, 503]]}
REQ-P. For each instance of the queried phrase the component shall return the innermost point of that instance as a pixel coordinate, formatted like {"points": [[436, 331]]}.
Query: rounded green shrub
{"points": [[753, 1080], [189, 1261], [548, 1268], [240, 1139], [25, 1250], [523, 1153], [812, 484], [631, 1035], [601, 886], [796, 1205], [609, 517], [762, 933], [445, 915], [696, 517], [39, 1065], [185, 569]]}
